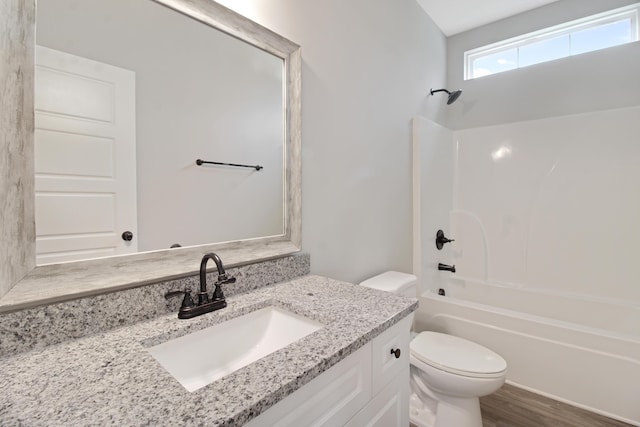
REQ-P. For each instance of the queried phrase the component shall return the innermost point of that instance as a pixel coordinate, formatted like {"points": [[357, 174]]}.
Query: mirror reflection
{"points": [[128, 95]]}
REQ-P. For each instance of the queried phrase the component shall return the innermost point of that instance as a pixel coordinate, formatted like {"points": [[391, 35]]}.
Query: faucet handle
{"points": [[187, 301], [224, 279]]}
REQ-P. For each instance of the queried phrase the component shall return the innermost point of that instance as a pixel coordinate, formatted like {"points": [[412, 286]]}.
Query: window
{"points": [[600, 31]]}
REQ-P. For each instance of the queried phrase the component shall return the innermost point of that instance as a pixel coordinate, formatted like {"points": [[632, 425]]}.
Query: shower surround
{"points": [[544, 214]]}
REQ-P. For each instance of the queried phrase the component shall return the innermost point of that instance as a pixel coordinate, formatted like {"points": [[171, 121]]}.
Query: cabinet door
{"points": [[390, 408], [329, 400], [386, 366]]}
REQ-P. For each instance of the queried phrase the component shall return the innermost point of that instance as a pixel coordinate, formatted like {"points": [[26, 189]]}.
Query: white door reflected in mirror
{"points": [[198, 94], [85, 158]]}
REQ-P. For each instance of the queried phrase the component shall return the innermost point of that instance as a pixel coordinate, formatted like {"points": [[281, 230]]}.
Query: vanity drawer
{"points": [[386, 366]]}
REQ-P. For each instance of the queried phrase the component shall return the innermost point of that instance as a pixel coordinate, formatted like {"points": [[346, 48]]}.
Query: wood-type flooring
{"points": [[515, 407]]}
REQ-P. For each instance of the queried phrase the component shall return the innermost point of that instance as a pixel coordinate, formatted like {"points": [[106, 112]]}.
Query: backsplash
{"points": [[42, 326]]}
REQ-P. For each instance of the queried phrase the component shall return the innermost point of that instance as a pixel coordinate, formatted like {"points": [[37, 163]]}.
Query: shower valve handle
{"points": [[441, 240]]}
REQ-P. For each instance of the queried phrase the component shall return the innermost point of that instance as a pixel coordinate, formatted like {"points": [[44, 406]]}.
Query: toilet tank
{"points": [[394, 281]]}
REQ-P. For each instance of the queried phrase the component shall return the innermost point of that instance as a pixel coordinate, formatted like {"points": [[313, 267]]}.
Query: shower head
{"points": [[452, 95]]}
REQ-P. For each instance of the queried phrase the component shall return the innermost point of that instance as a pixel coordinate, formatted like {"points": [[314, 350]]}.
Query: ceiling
{"points": [[457, 16]]}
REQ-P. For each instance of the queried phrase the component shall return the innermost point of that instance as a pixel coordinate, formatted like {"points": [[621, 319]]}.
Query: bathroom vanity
{"points": [[368, 388], [75, 337], [344, 373]]}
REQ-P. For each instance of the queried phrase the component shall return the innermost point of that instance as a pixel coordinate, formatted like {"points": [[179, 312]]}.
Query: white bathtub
{"points": [[581, 351]]}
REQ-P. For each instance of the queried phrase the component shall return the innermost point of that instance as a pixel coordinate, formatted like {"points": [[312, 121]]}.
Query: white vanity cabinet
{"points": [[368, 388], [390, 407]]}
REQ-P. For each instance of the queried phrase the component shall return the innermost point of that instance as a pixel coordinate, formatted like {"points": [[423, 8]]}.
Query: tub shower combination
{"points": [[545, 219], [593, 364]]}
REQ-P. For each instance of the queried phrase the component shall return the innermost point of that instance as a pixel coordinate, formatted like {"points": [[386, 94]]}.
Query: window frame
{"points": [[615, 15]]}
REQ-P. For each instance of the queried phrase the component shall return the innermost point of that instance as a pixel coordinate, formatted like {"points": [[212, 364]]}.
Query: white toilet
{"points": [[448, 373]]}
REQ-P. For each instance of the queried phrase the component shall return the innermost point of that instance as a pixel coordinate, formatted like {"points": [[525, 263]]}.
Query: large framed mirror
{"points": [[204, 83]]}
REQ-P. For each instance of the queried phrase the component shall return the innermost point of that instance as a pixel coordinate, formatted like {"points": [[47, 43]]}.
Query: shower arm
{"points": [[440, 90]]}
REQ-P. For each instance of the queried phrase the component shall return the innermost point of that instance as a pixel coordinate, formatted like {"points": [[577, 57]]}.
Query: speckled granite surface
{"points": [[111, 379], [41, 326]]}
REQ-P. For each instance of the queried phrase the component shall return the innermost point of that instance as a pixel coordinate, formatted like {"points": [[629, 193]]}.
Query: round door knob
{"points": [[396, 353], [127, 236]]}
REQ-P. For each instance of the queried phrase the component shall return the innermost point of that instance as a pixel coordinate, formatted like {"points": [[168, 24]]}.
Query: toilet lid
{"points": [[391, 281], [457, 355]]}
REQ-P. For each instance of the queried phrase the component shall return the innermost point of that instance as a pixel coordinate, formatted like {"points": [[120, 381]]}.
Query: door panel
{"points": [[85, 158], [64, 153], [74, 93], [54, 211]]}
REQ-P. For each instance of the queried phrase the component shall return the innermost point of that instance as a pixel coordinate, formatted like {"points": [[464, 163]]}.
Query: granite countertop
{"points": [[111, 379]]}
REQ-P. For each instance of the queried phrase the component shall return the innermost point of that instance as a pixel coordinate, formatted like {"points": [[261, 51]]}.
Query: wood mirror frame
{"points": [[22, 284]]}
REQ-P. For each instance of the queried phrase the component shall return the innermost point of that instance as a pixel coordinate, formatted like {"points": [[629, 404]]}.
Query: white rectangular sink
{"points": [[202, 357]]}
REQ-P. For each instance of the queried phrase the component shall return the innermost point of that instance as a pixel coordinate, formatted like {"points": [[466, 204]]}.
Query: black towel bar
{"points": [[201, 162]]}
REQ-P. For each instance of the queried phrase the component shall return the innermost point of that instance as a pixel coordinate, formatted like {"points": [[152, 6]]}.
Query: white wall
{"points": [[199, 94], [367, 70], [552, 204], [433, 171], [545, 213], [593, 81]]}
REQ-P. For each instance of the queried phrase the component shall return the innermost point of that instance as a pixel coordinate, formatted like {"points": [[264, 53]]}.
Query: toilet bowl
{"points": [[453, 373], [448, 373]]}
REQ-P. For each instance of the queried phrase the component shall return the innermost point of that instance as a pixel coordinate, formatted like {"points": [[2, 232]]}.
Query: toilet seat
{"points": [[457, 356]]}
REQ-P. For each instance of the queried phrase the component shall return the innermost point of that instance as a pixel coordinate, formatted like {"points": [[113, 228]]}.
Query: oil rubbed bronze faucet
{"points": [[445, 267], [189, 308]]}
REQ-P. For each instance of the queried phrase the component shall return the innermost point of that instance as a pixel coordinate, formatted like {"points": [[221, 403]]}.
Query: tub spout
{"points": [[445, 267]]}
